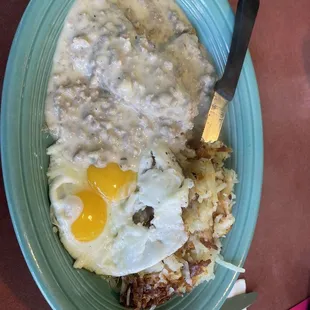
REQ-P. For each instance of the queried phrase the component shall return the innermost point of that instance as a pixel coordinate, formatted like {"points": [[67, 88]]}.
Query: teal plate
{"points": [[24, 159]]}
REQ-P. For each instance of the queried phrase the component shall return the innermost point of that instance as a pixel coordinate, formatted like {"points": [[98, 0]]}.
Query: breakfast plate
{"points": [[25, 163]]}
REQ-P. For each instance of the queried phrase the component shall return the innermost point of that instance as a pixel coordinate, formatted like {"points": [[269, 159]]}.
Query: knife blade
{"points": [[215, 118], [239, 302], [225, 88]]}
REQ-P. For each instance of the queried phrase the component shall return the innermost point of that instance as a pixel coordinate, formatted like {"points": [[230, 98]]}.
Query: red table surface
{"points": [[278, 265]]}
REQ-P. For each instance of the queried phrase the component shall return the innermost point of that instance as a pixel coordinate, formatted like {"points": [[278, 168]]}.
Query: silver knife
{"points": [[239, 302], [225, 88]]}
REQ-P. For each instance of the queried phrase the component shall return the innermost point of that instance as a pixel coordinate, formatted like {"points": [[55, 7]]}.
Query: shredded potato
{"points": [[207, 219]]}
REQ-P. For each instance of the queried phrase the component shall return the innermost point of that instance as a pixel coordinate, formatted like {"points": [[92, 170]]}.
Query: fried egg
{"points": [[100, 212]]}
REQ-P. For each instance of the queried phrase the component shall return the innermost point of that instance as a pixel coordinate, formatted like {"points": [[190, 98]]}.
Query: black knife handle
{"points": [[244, 23]]}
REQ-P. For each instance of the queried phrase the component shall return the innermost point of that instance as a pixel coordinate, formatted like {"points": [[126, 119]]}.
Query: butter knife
{"points": [[239, 302], [225, 87]]}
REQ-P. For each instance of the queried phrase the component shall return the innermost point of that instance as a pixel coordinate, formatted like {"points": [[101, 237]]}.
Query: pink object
{"points": [[305, 305]]}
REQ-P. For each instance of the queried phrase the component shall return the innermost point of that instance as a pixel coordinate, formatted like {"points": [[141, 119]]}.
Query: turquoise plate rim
{"points": [[7, 146]]}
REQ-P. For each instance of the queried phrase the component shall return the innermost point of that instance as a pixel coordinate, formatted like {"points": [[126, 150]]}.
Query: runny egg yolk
{"points": [[112, 182], [92, 220]]}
